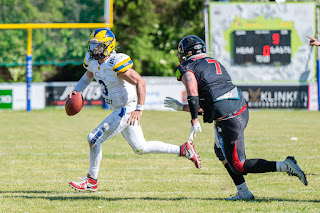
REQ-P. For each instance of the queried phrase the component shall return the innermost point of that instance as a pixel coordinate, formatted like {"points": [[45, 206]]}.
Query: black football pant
{"points": [[230, 134]]}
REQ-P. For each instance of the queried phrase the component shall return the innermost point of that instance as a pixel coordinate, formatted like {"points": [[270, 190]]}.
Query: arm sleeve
{"points": [[83, 83], [193, 102]]}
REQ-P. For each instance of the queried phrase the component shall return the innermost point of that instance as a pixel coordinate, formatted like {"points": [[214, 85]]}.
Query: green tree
{"points": [[147, 30]]}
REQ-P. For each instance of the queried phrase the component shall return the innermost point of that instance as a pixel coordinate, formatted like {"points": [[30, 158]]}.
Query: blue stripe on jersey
{"points": [[123, 66], [123, 112]]}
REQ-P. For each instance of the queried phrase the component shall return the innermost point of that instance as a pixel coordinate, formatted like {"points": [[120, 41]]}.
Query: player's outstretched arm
{"points": [[173, 103], [134, 78], [191, 84], [313, 41]]}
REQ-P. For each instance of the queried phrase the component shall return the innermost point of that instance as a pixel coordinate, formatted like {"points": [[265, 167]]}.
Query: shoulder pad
{"points": [[122, 62], [86, 60]]}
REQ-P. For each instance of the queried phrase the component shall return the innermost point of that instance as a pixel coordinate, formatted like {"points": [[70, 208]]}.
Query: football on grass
{"points": [[74, 104]]}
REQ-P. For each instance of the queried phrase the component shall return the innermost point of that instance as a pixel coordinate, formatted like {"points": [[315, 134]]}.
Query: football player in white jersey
{"points": [[124, 91]]}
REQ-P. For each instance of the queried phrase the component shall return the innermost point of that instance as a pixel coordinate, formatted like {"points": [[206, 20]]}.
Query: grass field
{"points": [[41, 151]]}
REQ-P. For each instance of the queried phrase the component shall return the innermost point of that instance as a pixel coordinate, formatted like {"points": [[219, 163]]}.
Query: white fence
{"points": [[13, 95]]}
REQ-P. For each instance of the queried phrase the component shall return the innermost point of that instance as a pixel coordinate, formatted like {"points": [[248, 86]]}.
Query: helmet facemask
{"points": [[97, 50], [180, 54]]}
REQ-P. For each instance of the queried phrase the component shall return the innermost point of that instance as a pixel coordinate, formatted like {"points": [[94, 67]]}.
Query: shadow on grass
{"points": [[28, 192], [83, 196]]}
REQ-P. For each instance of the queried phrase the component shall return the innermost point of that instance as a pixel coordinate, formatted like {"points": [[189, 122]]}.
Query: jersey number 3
{"points": [[105, 90], [218, 68]]}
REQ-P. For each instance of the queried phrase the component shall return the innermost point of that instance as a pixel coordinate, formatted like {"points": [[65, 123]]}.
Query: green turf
{"points": [[41, 151]]}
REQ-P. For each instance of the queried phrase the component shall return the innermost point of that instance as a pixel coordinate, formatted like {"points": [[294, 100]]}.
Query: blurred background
{"points": [[262, 44]]}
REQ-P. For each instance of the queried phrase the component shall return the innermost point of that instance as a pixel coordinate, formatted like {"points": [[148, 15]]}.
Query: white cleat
{"points": [[246, 196], [294, 169]]}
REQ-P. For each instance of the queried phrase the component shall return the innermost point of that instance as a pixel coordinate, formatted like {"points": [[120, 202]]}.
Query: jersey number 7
{"points": [[218, 68]]}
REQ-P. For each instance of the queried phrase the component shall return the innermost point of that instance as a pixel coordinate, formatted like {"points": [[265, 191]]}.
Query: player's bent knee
{"points": [[139, 151], [90, 137], [93, 139], [238, 168]]}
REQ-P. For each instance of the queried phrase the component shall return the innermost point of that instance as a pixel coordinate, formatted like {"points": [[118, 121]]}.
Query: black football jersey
{"points": [[213, 82]]}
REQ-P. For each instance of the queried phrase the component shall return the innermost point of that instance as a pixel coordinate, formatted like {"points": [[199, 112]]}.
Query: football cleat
{"points": [[86, 184], [294, 169], [187, 150], [246, 196]]}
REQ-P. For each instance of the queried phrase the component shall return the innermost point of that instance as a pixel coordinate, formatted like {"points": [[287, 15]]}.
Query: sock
{"points": [[95, 158], [281, 166], [242, 188]]}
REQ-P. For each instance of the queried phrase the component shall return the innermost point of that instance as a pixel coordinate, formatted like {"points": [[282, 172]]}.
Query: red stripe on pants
{"points": [[236, 161]]}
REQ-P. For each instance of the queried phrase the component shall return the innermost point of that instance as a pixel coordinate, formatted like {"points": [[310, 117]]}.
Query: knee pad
{"points": [[90, 137], [96, 135], [94, 138]]}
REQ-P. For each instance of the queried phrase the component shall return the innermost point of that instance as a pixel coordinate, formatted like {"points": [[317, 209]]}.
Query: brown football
{"points": [[74, 104]]}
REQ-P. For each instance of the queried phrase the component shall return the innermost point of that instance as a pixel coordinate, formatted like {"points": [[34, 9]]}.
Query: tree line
{"points": [[147, 30]]}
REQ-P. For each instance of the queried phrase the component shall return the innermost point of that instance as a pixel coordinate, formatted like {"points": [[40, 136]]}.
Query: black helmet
{"points": [[189, 46]]}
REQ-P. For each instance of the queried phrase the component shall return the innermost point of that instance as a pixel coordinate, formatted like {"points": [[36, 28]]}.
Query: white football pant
{"points": [[117, 122]]}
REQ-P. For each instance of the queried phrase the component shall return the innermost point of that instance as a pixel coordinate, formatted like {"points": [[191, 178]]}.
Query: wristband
{"points": [[140, 107]]}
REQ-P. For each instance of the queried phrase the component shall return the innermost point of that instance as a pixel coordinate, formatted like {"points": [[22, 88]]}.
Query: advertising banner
{"points": [[19, 95], [6, 99], [57, 93], [294, 96], [271, 96]]}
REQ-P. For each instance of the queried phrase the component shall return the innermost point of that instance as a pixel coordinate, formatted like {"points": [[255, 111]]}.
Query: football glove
{"points": [[195, 128], [173, 103]]}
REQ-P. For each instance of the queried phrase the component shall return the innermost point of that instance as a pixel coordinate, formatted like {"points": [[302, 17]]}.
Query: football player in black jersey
{"points": [[211, 93]]}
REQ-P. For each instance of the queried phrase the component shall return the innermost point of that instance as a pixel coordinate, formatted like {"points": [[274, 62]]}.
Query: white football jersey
{"points": [[115, 91]]}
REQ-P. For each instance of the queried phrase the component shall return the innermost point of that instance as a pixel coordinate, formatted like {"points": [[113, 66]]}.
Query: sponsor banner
{"points": [[19, 95], [158, 88], [56, 94], [6, 99], [294, 96], [257, 96], [313, 104]]}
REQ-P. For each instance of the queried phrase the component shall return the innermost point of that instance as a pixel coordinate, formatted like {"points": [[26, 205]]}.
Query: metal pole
{"points": [[317, 53], [29, 69], [318, 82], [108, 11], [206, 25]]}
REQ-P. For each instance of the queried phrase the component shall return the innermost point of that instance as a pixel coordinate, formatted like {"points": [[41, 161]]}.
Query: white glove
{"points": [[195, 128], [173, 103]]}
